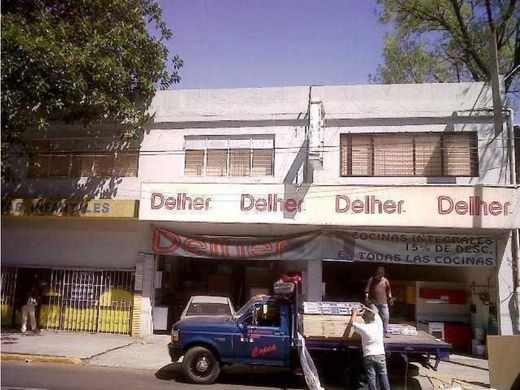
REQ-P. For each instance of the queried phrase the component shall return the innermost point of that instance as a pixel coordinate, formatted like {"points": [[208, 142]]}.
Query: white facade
{"points": [[306, 124]]}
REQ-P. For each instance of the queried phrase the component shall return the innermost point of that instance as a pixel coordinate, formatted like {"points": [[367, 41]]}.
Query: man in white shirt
{"points": [[374, 358]]}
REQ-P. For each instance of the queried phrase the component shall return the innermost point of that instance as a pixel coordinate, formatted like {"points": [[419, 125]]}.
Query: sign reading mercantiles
{"points": [[95, 208], [407, 206], [380, 247]]}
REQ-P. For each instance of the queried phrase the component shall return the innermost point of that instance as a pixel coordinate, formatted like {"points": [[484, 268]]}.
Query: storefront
{"points": [[79, 258], [446, 249]]}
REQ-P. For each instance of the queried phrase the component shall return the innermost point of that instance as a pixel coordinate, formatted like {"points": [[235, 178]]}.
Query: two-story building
{"points": [[237, 186]]}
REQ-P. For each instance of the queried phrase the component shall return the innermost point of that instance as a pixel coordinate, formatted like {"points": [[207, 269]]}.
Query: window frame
{"points": [[228, 150], [473, 151], [75, 155]]}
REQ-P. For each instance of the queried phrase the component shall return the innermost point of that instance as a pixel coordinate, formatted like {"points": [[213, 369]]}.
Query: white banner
{"points": [[334, 245], [404, 206]]}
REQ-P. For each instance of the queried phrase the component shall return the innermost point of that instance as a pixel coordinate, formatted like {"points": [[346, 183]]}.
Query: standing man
{"points": [[378, 295], [29, 310], [374, 358]]}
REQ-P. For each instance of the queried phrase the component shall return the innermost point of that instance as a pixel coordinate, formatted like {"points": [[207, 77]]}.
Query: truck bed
{"points": [[422, 346]]}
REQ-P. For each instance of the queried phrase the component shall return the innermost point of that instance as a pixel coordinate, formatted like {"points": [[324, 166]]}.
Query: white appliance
{"points": [[160, 318]]}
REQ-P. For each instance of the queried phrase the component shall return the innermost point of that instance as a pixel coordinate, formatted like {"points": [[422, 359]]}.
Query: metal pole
{"points": [[495, 83]]}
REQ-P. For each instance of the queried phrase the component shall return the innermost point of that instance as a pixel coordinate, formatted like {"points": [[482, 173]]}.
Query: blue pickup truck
{"points": [[265, 332]]}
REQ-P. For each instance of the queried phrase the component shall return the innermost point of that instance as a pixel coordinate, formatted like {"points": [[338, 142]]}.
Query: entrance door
{"points": [[89, 301], [266, 336]]}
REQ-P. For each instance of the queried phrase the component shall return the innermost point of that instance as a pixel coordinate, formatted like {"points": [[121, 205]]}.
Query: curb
{"points": [[28, 358]]}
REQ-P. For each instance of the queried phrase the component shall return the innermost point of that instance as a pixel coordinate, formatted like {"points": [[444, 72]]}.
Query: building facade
{"points": [[237, 186]]}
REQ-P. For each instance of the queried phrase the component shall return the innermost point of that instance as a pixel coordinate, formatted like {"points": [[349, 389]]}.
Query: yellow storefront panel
{"points": [[7, 311], [94, 208]]}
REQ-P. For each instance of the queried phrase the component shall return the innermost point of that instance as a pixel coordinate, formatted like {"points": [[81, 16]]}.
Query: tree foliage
{"points": [[448, 40], [80, 61]]}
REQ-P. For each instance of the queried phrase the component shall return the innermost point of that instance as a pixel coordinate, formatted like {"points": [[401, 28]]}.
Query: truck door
{"points": [[265, 336]]}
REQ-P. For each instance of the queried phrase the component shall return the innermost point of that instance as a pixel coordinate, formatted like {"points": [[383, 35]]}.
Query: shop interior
{"points": [[453, 303], [456, 304], [179, 278]]}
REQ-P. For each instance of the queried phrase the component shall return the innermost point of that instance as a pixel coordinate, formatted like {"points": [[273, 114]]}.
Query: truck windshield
{"points": [[246, 307], [206, 308]]}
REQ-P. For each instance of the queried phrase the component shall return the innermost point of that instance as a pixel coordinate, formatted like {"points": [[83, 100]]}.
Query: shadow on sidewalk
{"points": [[12, 336], [241, 375], [283, 378]]}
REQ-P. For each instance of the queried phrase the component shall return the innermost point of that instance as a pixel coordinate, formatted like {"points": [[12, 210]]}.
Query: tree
{"points": [[448, 40], [83, 61]]}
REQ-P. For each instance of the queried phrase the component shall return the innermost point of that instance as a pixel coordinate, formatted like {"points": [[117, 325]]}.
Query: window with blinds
{"points": [[194, 163], [62, 158], [419, 154], [229, 156], [216, 162]]}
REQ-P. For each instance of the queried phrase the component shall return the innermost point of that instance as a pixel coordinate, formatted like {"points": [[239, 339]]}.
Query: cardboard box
{"points": [[326, 326]]}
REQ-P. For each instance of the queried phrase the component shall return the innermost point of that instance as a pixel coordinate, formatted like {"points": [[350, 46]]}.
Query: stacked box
{"points": [[326, 326], [330, 308]]}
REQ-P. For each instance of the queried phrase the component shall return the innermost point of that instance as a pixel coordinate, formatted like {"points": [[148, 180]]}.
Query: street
{"points": [[21, 375]]}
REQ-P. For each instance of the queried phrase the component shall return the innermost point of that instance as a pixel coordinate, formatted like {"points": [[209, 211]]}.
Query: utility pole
{"points": [[495, 83]]}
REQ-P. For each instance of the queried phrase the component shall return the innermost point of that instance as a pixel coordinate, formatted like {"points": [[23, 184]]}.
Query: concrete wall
{"points": [[411, 108], [162, 154], [283, 113], [63, 242], [236, 104], [73, 188]]}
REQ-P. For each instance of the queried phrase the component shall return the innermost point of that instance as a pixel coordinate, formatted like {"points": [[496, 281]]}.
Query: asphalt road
{"points": [[18, 375], [52, 376]]}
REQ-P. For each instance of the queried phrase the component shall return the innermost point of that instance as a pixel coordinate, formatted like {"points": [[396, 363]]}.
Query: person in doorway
{"points": [[378, 295], [29, 310], [374, 358]]}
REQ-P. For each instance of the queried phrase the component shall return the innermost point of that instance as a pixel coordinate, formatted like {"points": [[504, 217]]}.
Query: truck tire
{"points": [[200, 366]]}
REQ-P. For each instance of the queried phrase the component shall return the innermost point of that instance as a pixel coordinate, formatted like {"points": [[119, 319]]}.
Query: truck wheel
{"points": [[200, 366]]}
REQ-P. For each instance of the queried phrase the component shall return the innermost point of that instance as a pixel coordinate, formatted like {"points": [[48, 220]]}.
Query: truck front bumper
{"points": [[175, 352]]}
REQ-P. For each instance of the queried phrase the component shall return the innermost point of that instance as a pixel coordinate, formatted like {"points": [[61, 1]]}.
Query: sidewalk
{"points": [[152, 354], [85, 348]]}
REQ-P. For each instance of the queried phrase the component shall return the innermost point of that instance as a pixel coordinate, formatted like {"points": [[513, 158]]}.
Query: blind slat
{"points": [[262, 164], [240, 162], [427, 155], [217, 162]]}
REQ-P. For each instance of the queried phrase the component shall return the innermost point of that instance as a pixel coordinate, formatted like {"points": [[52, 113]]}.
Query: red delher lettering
{"points": [[473, 206], [272, 203]]}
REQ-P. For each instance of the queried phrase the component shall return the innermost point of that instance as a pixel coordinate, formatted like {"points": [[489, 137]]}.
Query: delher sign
{"points": [[404, 206], [338, 245]]}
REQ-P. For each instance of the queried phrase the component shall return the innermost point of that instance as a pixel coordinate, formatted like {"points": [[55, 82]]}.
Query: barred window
{"points": [[419, 154], [61, 158], [229, 156]]}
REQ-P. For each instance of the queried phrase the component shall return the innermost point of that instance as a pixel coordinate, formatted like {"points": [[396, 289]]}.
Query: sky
{"points": [[264, 43]]}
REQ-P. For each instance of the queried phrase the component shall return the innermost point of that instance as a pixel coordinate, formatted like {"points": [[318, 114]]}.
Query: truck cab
{"points": [[259, 334]]}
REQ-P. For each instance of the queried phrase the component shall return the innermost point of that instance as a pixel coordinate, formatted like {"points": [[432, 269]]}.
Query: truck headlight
{"points": [[175, 336]]}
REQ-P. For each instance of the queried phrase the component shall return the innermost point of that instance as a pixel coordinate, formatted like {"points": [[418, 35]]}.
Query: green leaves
{"points": [[81, 61], [447, 40]]}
